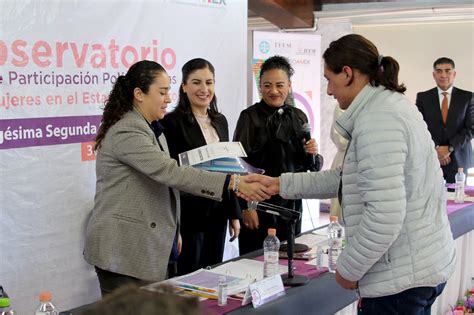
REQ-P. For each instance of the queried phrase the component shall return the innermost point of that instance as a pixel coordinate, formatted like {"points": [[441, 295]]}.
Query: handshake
{"points": [[254, 187]]}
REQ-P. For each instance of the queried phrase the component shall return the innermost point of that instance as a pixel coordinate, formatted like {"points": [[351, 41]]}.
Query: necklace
{"points": [[203, 120]]}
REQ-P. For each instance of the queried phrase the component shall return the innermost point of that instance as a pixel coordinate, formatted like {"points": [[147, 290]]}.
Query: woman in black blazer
{"points": [[196, 122]]}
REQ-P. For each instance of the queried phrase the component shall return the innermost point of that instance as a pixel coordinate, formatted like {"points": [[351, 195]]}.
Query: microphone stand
{"points": [[315, 166], [290, 217]]}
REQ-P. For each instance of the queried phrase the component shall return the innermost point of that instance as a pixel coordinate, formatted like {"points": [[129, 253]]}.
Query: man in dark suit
{"points": [[449, 114]]}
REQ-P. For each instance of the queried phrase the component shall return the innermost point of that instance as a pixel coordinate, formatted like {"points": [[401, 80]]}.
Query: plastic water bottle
{"points": [[335, 238], [45, 307], [5, 308], [460, 179], [271, 246], [222, 291], [319, 257]]}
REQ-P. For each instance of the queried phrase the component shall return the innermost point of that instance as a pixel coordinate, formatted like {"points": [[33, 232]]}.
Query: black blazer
{"points": [[183, 135], [459, 125]]}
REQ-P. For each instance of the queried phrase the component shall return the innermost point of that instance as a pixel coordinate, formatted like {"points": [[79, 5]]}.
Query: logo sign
{"points": [[264, 47]]}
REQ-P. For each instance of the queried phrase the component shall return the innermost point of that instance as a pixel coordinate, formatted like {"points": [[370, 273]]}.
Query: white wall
{"points": [[417, 46]]}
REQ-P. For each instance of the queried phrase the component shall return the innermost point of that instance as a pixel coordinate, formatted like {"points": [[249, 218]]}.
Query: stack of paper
{"points": [[205, 283], [248, 269]]}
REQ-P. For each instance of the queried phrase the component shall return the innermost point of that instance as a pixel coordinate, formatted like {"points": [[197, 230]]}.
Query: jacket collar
{"points": [[345, 123], [137, 114], [269, 110]]}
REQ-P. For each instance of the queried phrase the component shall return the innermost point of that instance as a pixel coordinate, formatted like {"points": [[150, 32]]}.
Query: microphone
{"points": [[307, 136]]}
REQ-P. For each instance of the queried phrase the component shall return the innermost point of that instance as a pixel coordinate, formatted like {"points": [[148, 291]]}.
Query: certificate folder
{"points": [[233, 165], [224, 157], [210, 152]]}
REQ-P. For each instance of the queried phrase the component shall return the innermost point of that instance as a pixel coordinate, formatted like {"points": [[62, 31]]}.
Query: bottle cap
{"points": [[4, 302], [461, 169], [272, 231], [45, 296], [333, 218]]}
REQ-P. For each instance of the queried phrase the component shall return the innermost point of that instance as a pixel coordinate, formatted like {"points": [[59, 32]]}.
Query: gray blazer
{"points": [[136, 212]]}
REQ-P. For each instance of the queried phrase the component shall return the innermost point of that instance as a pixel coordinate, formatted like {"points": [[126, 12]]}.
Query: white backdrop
{"points": [[58, 61], [304, 53]]}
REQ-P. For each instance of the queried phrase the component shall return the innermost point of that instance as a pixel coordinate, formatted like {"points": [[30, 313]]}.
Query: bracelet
{"points": [[236, 182]]}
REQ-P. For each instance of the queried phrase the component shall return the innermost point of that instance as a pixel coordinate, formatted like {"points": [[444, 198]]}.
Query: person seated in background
{"points": [[135, 219], [196, 122], [449, 114], [272, 134], [131, 300]]}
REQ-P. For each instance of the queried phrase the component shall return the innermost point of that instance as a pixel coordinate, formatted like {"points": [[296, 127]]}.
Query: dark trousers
{"points": [[202, 248], [252, 240], [110, 281], [416, 301], [450, 170]]}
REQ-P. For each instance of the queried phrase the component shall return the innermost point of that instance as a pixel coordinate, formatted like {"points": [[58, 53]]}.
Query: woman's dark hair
{"points": [[184, 105], [359, 53], [277, 62], [141, 75]]}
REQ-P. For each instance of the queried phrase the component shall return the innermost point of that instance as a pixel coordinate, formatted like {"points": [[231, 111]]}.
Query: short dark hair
{"points": [[359, 53], [442, 61], [277, 62]]}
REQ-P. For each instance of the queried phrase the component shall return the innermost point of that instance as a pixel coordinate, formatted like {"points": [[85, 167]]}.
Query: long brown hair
{"points": [[359, 53], [120, 101], [184, 105]]}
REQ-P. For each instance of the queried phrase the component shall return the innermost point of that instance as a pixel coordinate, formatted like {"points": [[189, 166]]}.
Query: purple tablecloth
{"points": [[301, 268], [453, 207]]}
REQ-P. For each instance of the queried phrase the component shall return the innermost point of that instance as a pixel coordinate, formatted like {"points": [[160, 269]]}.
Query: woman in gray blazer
{"points": [[135, 219]]}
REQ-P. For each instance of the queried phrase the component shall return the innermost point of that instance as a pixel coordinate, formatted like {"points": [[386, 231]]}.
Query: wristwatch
{"points": [[450, 148]]}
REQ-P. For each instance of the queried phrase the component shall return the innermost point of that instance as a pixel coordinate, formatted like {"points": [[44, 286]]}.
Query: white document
{"points": [[249, 269], [212, 151], [312, 239]]}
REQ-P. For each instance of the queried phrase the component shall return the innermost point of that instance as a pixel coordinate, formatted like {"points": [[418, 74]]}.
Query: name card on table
{"points": [[266, 290]]}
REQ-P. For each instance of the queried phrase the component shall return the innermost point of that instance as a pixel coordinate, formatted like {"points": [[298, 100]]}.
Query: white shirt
{"points": [[208, 131], [441, 96]]}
